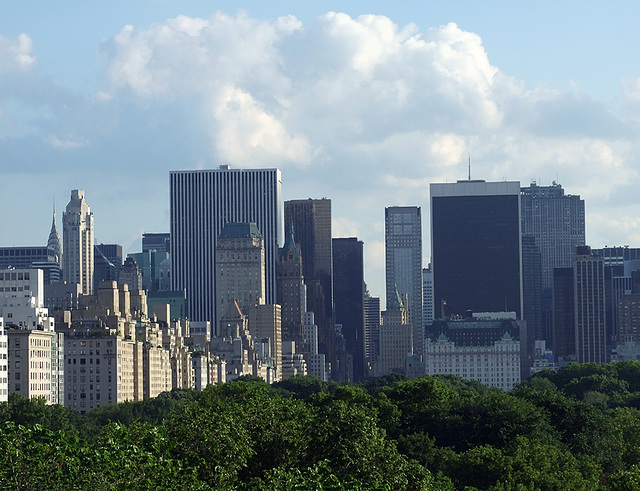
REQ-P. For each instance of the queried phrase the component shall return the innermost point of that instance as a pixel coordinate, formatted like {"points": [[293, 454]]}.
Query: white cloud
{"points": [[357, 109], [247, 135], [67, 143], [16, 55]]}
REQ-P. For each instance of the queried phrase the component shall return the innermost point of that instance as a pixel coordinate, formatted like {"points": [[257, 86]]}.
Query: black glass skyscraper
{"points": [[476, 247], [348, 297]]}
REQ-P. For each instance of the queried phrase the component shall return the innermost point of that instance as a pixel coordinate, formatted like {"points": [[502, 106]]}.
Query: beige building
{"points": [[240, 267], [265, 326], [29, 362], [396, 340], [114, 352], [77, 235]]}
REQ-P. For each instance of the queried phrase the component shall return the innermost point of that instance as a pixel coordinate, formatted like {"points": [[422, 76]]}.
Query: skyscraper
{"points": [[403, 245], [427, 297], [348, 298], [77, 231], [311, 219], [107, 262], [201, 202], [160, 242], [372, 321], [556, 221], [476, 247], [563, 339], [589, 304]]}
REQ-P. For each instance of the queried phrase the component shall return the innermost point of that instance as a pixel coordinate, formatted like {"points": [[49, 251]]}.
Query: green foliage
{"points": [[575, 429]]}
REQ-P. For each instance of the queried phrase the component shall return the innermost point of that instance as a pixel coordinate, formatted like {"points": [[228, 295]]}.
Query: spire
{"points": [[54, 244], [396, 301], [289, 246]]}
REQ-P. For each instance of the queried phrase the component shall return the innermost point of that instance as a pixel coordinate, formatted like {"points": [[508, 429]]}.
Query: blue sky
{"points": [[361, 102]]}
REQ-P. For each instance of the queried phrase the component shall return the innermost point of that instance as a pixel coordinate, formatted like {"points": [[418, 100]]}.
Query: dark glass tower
{"points": [[476, 247], [348, 298], [311, 219], [403, 264]]}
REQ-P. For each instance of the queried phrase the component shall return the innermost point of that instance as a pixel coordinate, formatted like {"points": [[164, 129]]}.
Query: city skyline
{"points": [[335, 99]]}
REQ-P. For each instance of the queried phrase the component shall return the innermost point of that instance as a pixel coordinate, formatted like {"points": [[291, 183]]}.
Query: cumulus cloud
{"points": [[358, 109]]}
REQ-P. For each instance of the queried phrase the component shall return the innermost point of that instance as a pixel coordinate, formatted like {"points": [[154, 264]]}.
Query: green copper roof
{"points": [[240, 231]]}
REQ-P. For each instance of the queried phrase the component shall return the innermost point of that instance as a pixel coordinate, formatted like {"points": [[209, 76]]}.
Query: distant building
{"points": [[622, 274], [553, 224], [105, 268], [372, 322], [476, 349], [317, 364], [348, 298], [557, 223], [428, 315], [476, 247], [564, 327], [311, 220], [589, 304], [77, 227], [201, 203], [396, 338], [130, 274], [403, 264], [34, 365], [240, 267], [150, 264], [53, 243], [291, 292], [29, 257], [160, 242], [532, 294], [4, 374]]}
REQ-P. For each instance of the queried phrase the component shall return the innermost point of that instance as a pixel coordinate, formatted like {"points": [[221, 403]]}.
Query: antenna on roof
{"points": [[469, 166]]}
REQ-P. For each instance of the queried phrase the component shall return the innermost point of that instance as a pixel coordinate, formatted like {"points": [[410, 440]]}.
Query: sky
{"points": [[362, 102]]}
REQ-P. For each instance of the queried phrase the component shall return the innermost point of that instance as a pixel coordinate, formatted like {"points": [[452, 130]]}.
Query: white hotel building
{"points": [[488, 351]]}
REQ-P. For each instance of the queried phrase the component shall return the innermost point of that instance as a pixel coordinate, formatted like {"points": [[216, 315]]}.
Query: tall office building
{"points": [[348, 298], [589, 304], [532, 293], [201, 203], [160, 242], [372, 321], [107, 262], [40, 257], [403, 245], [476, 247], [556, 221], [563, 339], [77, 232], [621, 265], [240, 268], [311, 219], [427, 297]]}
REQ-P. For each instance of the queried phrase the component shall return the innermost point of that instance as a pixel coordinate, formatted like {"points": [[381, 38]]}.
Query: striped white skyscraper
{"points": [[202, 202], [77, 233]]}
